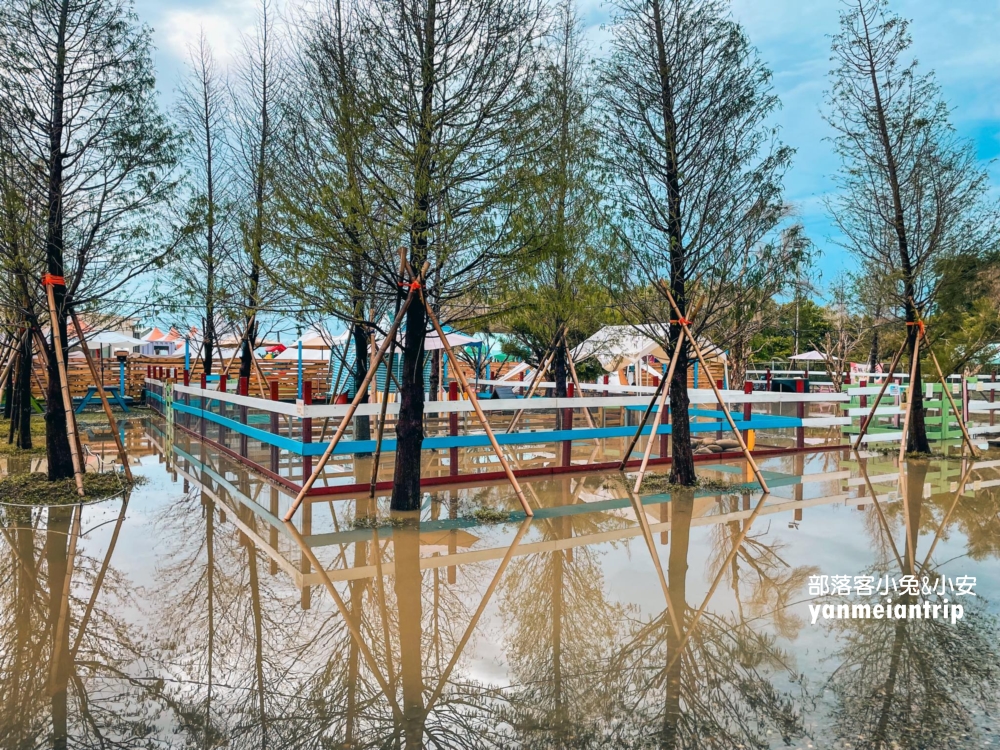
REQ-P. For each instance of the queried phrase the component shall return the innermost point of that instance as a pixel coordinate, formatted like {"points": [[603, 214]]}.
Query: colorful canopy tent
{"points": [[620, 348]]}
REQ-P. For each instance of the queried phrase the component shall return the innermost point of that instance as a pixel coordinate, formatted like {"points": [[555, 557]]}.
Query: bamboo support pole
{"points": [[380, 427], [947, 516], [657, 418], [62, 622], [478, 614], [878, 510], [576, 383], [354, 404], [239, 345], [479, 411], [909, 400], [536, 379], [947, 392], [74, 446], [737, 543], [345, 615], [715, 389], [99, 582], [122, 455], [15, 343], [647, 535], [642, 422], [878, 398]]}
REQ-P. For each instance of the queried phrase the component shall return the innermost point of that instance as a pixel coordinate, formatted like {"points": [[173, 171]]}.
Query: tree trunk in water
{"points": [[57, 559], [362, 425], [435, 385], [682, 454], [410, 421], [916, 437], [20, 417], [57, 453], [408, 599], [677, 566]]}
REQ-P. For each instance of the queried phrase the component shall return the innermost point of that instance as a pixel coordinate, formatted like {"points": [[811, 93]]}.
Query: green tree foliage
{"points": [[561, 214]]}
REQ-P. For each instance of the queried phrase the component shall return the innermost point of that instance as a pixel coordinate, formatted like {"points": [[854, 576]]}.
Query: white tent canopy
{"points": [[109, 338], [432, 341], [813, 356], [316, 345], [618, 346]]}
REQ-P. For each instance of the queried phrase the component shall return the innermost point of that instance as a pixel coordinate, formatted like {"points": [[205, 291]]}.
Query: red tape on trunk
{"points": [[53, 280]]}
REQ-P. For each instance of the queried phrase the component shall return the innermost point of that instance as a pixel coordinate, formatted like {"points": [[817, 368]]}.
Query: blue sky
{"points": [[956, 39]]}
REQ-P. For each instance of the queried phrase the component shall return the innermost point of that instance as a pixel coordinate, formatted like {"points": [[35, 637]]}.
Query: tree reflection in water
{"points": [[916, 683], [404, 650], [706, 682], [71, 670]]}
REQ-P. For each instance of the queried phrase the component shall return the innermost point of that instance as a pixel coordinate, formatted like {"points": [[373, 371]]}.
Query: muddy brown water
{"points": [[188, 615]]}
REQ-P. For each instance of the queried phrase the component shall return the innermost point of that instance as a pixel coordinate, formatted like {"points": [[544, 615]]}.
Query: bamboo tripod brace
{"points": [[921, 336], [683, 323], [49, 281]]}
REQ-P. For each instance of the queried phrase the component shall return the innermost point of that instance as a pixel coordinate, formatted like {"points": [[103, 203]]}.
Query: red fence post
{"points": [[567, 424], [993, 397], [862, 383], [223, 411], [204, 404], [274, 427], [453, 429], [800, 412], [307, 430], [243, 388], [747, 408], [719, 407]]}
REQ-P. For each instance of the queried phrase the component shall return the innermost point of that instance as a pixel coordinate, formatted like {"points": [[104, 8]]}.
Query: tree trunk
{"points": [[408, 599], [434, 386], [410, 421], [57, 560], [682, 467], [677, 566], [916, 436], [682, 454], [20, 417], [362, 424], [873, 353], [208, 342], [57, 452]]}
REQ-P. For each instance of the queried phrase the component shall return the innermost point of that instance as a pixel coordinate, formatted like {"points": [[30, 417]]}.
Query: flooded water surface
{"points": [[189, 615]]}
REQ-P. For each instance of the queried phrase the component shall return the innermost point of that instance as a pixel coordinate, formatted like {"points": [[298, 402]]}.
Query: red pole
{"points": [[719, 407], [242, 388], [747, 407], [274, 427], [800, 412], [453, 429], [567, 424], [307, 397]]}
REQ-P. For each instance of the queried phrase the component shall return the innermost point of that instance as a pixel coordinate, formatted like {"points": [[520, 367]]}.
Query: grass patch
{"points": [[37, 438], [36, 489], [490, 515], [923, 456], [660, 483], [377, 522]]}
